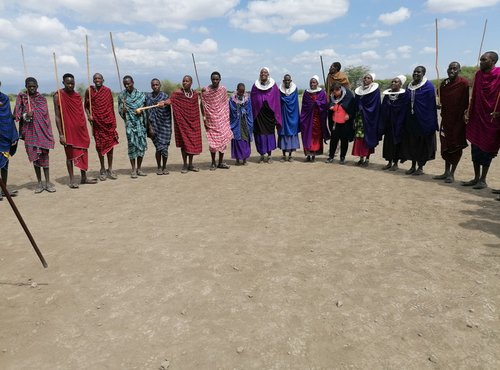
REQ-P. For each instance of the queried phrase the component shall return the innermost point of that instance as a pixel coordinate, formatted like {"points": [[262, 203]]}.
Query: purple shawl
{"points": [[423, 103], [394, 114], [369, 107], [307, 113], [272, 96], [482, 130]]}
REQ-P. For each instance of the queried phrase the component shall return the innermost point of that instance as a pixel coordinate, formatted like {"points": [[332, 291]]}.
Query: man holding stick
{"points": [[32, 113], [100, 111], [135, 126], [72, 127], [454, 98], [187, 126], [215, 106], [483, 119], [160, 122], [8, 139]]}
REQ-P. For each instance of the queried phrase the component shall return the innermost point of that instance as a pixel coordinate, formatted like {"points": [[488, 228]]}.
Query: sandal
{"points": [[111, 174], [133, 175], [50, 188], [184, 170], [213, 167], [159, 172], [39, 188], [193, 169], [73, 186], [140, 173], [166, 172], [223, 165], [102, 176]]}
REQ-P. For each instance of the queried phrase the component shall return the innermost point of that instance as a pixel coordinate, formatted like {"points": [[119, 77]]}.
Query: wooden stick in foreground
{"points": [[116, 62], [140, 109], [199, 85], [23, 224]]}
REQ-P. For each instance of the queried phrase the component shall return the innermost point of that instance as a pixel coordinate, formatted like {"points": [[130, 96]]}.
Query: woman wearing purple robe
{"points": [[241, 120], [266, 109], [394, 107], [313, 119], [367, 121], [419, 131]]}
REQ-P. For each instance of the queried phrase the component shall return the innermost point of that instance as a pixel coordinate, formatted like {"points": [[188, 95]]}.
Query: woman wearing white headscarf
{"points": [[266, 109], [394, 109], [367, 121], [313, 119]]}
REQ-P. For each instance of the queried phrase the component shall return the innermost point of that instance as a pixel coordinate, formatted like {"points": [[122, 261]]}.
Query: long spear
{"points": [[88, 73], [198, 81], [26, 76], [23, 224], [437, 66], [59, 96]]}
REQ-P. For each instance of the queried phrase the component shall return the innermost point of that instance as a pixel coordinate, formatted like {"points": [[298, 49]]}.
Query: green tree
{"points": [[468, 73], [80, 89], [355, 74], [169, 87]]}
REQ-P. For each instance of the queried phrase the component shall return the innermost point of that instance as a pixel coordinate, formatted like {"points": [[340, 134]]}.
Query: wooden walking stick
{"points": [[23, 224], [477, 65], [59, 96], [437, 67], [327, 88], [88, 74], [198, 81], [116, 61], [26, 76]]}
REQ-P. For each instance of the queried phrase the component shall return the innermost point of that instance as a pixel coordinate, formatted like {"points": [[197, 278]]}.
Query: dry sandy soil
{"points": [[270, 266]]}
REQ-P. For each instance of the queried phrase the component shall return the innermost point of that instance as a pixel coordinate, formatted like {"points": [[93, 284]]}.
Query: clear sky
{"points": [[155, 38]]}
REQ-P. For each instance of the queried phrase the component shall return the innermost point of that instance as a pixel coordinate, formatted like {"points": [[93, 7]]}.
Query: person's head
{"points": [[488, 61], [240, 89], [418, 74], [187, 81], [287, 81], [397, 83], [31, 85], [128, 83], [337, 89], [453, 70], [215, 78], [98, 80], [155, 85], [314, 82], [69, 82], [368, 79], [335, 67], [264, 75]]}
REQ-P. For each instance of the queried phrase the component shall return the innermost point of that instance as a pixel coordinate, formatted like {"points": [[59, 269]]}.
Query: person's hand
{"points": [[91, 120], [62, 140], [325, 141], [495, 115], [347, 117], [29, 115], [203, 89]]}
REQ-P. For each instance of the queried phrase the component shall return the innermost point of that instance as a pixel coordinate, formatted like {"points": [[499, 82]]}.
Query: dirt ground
{"points": [[271, 266]]}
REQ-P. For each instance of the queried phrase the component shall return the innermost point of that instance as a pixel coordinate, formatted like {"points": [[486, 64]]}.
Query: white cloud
{"points": [[169, 14], [308, 56], [203, 30], [302, 35], [280, 16], [450, 23], [428, 50], [404, 51], [395, 17], [67, 60], [238, 55], [447, 6], [370, 55], [367, 44], [376, 34]]}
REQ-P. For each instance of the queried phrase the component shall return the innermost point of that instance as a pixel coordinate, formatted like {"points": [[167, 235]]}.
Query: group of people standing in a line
{"points": [[406, 119]]}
